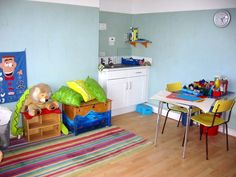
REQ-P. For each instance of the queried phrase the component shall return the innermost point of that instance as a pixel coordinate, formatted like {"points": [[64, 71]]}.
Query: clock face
{"points": [[222, 18]]}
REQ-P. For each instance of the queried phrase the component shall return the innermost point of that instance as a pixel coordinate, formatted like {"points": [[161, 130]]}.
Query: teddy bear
{"points": [[38, 99]]}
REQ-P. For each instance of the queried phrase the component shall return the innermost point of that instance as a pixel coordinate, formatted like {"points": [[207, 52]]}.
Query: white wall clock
{"points": [[222, 18]]}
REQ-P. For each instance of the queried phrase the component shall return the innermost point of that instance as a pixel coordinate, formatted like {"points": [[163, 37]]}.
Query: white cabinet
{"points": [[126, 87], [117, 92], [136, 90]]}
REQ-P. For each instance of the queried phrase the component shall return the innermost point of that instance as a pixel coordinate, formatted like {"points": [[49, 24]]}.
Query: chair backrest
{"points": [[223, 106], [173, 87]]}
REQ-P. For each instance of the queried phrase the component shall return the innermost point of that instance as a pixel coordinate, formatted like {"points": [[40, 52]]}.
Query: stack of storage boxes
{"points": [[88, 116]]}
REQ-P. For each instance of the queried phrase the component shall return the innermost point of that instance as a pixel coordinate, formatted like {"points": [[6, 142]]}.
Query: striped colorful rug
{"points": [[69, 154]]}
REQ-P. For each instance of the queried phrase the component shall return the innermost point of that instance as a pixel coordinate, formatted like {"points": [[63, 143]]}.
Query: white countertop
{"points": [[124, 68]]}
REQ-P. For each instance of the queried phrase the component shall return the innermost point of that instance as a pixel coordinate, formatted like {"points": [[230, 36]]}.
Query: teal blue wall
{"points": [[118, 25], [187, 46], [61, 41]]}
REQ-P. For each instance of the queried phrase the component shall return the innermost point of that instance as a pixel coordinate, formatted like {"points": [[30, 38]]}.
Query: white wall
{"points": [[90, 3], [149, 6], [152, 6]]}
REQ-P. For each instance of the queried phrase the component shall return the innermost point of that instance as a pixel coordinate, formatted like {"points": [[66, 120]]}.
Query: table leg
{"points": [[224, 117], [160, 106], [186, 129]]}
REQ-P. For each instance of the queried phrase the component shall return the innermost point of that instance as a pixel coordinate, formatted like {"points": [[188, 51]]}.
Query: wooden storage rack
{"points": [[42, 126]]}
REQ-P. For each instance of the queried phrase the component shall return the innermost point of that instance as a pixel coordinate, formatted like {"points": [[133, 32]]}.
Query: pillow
{"points": [[80, 87], [95, 89], [67, 96]]}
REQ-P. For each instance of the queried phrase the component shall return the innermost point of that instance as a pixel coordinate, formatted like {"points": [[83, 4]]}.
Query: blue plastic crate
{"points": [[91, 121], [184, 119], [144, 109]]}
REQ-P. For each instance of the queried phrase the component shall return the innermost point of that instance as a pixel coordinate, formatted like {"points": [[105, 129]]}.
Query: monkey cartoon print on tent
{"points": [[13, 78]]}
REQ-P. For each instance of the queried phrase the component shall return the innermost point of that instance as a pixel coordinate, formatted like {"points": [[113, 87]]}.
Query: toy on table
{"points": [[220, 86], [191, 89], [217, 82], [215, 88]]}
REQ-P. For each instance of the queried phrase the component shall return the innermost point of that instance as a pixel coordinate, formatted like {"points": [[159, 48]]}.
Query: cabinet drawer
{"points": [[126, 73]]}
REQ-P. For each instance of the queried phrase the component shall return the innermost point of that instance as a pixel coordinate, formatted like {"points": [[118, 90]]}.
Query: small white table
{"points": [[161, 96]]}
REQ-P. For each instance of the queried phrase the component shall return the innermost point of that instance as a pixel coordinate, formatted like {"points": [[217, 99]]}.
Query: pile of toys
{"points": [[216, 88]]}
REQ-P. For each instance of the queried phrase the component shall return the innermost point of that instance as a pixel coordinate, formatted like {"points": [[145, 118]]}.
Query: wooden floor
{"points": [[166, 160]]}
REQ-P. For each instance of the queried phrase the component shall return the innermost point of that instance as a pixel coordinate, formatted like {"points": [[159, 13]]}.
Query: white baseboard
{"points": [[172, 114], [175, 116], [116, 112], [231, 131]]}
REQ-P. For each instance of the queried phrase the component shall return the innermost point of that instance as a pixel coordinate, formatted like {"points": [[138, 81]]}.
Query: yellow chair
{"points": [[213, 119], [175, 87]]}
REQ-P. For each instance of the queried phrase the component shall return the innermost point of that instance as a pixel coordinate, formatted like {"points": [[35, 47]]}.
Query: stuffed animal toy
{"points": [[38, 99]]}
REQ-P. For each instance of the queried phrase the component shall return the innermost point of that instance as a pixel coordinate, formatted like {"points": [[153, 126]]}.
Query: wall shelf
{"points": [[143, 42]]}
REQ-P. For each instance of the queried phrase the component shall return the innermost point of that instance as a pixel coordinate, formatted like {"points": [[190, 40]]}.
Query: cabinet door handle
{"points": [[127, 85], [130, 85], [138, 72]]}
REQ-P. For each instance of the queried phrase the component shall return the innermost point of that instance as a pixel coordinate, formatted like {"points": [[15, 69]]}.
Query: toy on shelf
{"points": [[38, 99], [133, 38]]}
